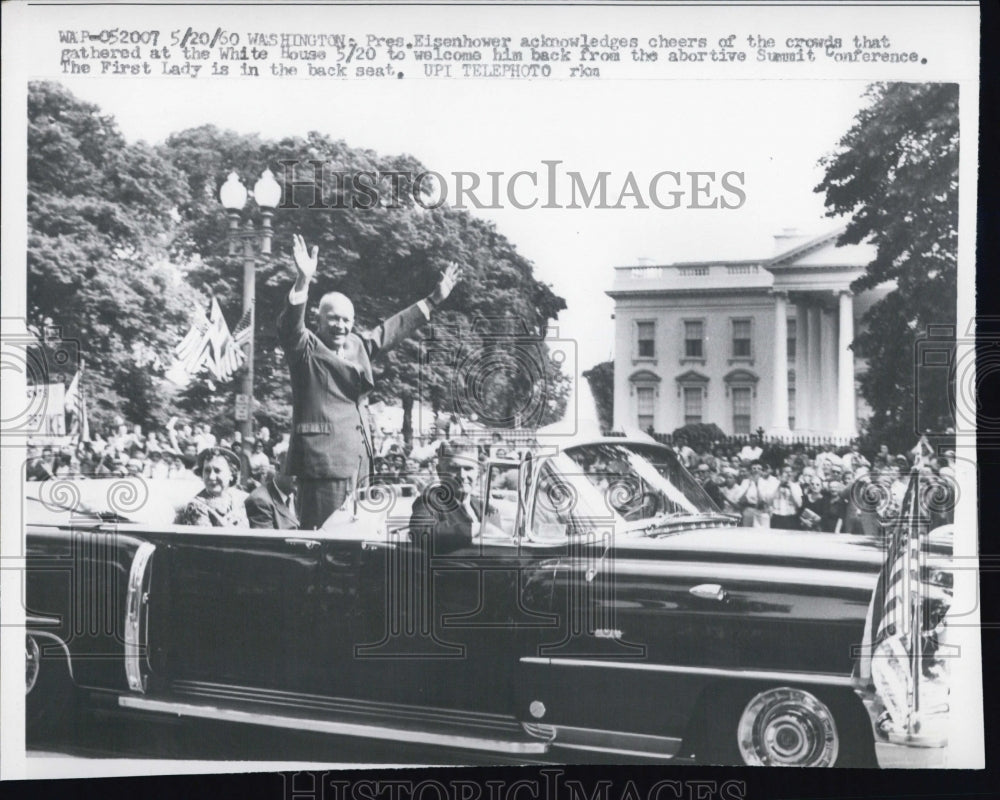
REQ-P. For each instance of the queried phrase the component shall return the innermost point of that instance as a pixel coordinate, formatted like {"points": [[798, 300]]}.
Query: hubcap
{"points": [[32, 663], [787, 728]]}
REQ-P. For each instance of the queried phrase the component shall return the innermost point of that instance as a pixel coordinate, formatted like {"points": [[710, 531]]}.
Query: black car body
{"points": [[612, 608]]}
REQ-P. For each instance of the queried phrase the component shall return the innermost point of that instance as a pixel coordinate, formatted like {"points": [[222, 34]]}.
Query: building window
{"points": [[645, 404], [792, 336], [742, 339], [741, 409], [694, 338], [692, 404], [645, 334]]}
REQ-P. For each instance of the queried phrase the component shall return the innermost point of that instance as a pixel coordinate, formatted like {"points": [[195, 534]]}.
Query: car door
{"points": [[254, 609], [447, 629]]}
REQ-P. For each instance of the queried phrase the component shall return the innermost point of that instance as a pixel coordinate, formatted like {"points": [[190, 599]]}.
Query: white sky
{"points": [[773, 131]]}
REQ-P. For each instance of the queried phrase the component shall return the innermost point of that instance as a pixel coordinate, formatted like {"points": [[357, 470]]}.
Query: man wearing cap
{"points": [[331, 374], [448, 514]]}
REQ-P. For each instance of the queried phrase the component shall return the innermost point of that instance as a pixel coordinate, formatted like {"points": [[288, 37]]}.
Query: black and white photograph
{"points": [[489, 385]]}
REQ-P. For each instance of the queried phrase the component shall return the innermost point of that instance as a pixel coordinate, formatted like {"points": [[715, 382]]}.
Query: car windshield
{"points": [[629, 485]]}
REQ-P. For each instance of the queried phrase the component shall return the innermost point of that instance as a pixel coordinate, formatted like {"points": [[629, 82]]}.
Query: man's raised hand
{"points": [[305, 261], [447, 283]]}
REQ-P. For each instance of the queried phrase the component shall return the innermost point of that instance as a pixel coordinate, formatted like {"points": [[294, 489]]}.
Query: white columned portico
{"points": [[828, 328], [814, 391], [779, 404], [846, 421], [802, 410]]}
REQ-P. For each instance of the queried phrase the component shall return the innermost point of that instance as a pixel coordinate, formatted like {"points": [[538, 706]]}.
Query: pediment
{"points": [[691, 376], [741, 376], [823, 251], [644, 376]]}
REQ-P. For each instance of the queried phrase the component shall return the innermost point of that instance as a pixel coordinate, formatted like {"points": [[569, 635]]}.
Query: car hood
{"points": [[759, 545]]}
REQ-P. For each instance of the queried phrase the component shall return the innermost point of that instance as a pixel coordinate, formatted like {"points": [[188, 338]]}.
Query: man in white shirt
{"points": [[786, 503], [760, 492], [751, 451], [733, 492], [827, 459]]}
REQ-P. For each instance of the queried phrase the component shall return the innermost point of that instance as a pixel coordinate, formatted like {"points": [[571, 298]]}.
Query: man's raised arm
{"points": [[292, 331], [402, 325]]}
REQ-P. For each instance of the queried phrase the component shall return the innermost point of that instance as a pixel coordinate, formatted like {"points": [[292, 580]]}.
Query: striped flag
{"points": [[189, 354], [244, 328], [905, 550], [209, 344], [226, 355], [75, 404], [899, 638]]}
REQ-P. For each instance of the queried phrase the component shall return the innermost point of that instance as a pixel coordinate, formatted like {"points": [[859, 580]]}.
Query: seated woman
{"points": [[219, 504]]}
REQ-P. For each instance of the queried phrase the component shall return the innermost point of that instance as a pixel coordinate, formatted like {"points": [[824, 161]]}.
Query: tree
{"points": [[601, 378], [896, 174], [99, 227], [384, 258]]}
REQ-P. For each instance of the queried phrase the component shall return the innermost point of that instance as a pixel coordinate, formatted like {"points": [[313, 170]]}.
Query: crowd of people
{"points": [[171, 452], [818, 488], [767, 484]]}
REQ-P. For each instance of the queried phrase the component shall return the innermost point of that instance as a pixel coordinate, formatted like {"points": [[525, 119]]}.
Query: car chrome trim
{"points": [[33, 659], [62, 646], [362, 730], [607, 741], [135, 607], [819, 678], [33, 619]]}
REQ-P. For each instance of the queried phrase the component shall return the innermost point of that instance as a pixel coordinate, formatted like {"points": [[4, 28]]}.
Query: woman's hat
{"points": [[229, 455]]}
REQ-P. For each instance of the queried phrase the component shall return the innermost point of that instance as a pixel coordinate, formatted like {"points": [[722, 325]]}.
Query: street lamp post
{"points": [[233, 195]]}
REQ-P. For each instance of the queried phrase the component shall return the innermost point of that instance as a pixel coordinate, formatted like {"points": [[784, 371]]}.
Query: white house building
{"points": [[743, 344]]}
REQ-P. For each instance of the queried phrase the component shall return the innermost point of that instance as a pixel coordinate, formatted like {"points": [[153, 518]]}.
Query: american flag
{"points": [[900, 629], [75, 403], [210, 344], [906, 549]]}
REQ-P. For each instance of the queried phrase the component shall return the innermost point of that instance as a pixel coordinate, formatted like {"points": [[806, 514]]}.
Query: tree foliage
{"points": [[127, 239], [99, 226], [895, 173], [601, 378]]}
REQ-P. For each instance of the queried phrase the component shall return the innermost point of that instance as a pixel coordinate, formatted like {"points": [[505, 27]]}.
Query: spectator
{"points": [[786, 502], [707, 481], [204, 438], [259, 462], [157, 467], [280, 447], [861, 507], [264, 437], [759, 495], [455, 427], [853, 459], [36, 468], [733, 492], [816, 512], [752, 450]]}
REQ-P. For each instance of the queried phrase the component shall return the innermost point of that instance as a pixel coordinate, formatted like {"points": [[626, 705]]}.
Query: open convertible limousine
{"points": [[611, 608]]}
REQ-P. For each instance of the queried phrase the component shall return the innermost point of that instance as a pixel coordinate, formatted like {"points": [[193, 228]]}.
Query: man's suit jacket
{"points": [[327, 426], [439, 522], [266, 509]]}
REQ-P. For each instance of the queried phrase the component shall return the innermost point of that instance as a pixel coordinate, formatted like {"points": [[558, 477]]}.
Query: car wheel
{"points": [[49, 693], [785, 727]]}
